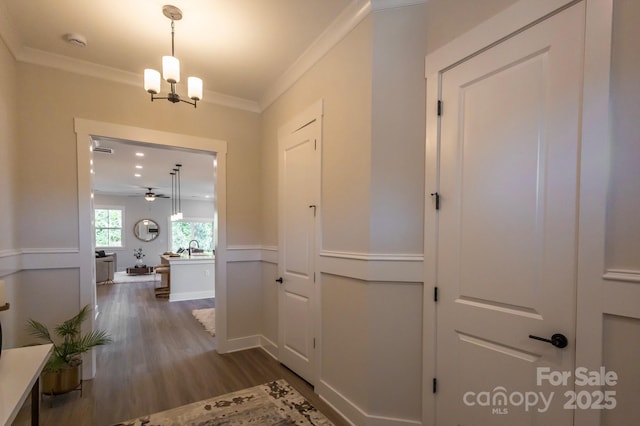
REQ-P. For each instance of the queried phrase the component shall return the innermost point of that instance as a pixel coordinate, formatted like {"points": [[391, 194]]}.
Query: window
{"points": [[108, 225], [183, 231]]}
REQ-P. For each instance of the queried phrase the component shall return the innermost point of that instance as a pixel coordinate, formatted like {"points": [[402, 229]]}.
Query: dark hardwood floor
{"points": [[161, 358]]}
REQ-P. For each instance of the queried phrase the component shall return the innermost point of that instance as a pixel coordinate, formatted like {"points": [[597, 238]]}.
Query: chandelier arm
{"points": [[174, 100]]}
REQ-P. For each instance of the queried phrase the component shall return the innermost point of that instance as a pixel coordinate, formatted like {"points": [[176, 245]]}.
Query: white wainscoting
{"points": [[352, 413], [373, 267], [10, 262]]}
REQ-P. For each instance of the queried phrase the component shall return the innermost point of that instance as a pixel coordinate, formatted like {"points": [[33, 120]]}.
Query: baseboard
{"points": [[192, 295], [242, 343], [269, 347], [354, 414]]}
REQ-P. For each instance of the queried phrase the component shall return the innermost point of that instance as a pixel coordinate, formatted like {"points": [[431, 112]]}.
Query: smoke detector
{"points": [[75, 39]]}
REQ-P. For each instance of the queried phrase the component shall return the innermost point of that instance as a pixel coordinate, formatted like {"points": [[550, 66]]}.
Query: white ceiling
{"points": [[240, 48], [115, 174]]}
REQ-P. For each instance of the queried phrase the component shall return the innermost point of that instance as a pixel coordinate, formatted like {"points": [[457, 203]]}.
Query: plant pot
{"points": [[62, 381]]}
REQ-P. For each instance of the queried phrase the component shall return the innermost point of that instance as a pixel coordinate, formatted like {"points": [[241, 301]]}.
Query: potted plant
{"points": [[61, 373]]}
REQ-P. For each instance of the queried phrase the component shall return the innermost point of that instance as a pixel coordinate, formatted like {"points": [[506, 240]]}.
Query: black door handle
{"points": [[558, 340], [279, 280]]}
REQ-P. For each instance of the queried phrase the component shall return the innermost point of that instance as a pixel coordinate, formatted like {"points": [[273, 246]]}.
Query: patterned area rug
{"points": [[274, 403], [207, 318]]}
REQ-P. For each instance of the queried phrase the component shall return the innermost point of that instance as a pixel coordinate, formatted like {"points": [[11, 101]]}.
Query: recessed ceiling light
{"points": [[138, 166], [137, 175], [139, 154]]}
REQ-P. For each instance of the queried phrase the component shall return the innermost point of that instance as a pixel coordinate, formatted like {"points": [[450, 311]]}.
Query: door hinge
{"points": [[315, 144], [435, 294], [314, 343], [439, 108], [437, 197], [314, 277], [435, 385]]}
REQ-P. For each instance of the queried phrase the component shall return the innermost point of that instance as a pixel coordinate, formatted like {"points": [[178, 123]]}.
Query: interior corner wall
{"points": [[398, 135]]}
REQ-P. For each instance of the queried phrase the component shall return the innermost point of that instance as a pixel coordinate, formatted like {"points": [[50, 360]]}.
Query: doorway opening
{"points": [[86, 132]]}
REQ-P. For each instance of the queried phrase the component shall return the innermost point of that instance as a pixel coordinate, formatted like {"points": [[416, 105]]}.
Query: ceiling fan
{"points": [[150, 195]]}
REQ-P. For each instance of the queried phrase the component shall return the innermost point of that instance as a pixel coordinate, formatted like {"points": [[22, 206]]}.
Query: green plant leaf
{"points": [[39, 330], [73, 345]]}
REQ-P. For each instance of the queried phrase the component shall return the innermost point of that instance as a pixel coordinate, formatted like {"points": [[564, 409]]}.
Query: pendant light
{"points": [[176, 204]]}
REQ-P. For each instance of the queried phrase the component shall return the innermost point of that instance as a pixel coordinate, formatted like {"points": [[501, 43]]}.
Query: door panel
{"points": [[298, 183], [509, 147]]}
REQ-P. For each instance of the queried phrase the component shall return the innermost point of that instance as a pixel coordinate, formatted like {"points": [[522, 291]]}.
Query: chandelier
{"points": [[171, 70]]}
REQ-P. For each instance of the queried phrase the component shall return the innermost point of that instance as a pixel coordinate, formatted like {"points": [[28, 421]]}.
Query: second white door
{"points": [[299, 202]]}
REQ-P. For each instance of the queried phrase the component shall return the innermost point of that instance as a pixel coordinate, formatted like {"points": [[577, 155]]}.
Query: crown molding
{"points": [[391, 4], [332, 35]]}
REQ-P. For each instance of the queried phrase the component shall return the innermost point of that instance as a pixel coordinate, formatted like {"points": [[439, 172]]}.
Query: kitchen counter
{"points": [[192, 277]]}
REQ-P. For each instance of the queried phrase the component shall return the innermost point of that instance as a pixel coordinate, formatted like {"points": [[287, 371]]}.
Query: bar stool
{"points": [[110, 272], [163, 291]]}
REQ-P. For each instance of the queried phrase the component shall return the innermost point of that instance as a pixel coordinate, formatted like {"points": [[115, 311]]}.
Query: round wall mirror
{"points": [[146, 230]]}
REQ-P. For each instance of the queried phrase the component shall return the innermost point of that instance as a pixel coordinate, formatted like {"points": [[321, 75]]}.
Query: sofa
{"points": [[106, 265]]}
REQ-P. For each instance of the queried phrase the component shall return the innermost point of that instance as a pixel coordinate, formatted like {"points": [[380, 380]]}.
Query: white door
{"points": [[506, 244], [299, 201]]}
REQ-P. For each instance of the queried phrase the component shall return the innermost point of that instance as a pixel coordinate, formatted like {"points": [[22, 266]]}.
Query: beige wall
{"points": [[343, 79], [447, 19], [398, 131], [49, 101], [8, 149]]}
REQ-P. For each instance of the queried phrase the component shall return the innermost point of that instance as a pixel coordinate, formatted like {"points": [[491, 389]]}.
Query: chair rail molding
{"points": [[252, 253], [400, 267], [16, 260], [625, 275]]}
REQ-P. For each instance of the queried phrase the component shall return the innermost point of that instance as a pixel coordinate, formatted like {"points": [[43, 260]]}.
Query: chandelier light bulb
{"points": [[171, 69], [152, 81], [194, 88]]}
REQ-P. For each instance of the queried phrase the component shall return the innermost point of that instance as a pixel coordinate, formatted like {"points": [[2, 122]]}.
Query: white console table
{"points": [[20, 370]]}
